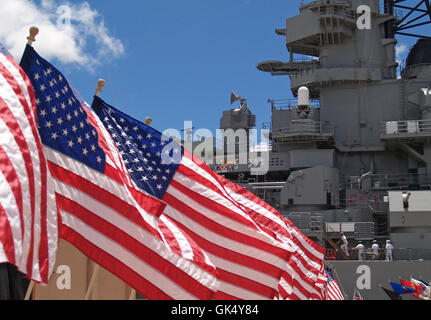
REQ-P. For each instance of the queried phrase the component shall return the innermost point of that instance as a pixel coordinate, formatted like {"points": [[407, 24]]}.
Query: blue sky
{"points": [[183, 58], [175, 61]]}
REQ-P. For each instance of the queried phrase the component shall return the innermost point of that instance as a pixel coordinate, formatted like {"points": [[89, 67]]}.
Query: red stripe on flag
{"points": [[8, 170], [170, 238], [6, 236]]}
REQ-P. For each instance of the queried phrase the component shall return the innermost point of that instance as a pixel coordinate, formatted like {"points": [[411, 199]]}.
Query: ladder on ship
{"points": [[337, 248]]}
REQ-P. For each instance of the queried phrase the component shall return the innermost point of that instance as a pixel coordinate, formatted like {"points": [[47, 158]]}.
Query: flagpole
{"points": [[32, 37], [132, 294], [339, 282], [29, 291], [92, 282], [100, 84]]}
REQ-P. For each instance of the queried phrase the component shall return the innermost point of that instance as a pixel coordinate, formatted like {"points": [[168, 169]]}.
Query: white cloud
{"points": [[67, 42], [401, 52]]}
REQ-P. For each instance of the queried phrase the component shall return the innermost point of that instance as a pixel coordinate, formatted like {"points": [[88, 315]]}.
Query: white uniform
{"points": [[344, 246], [389, 248], [375, 248], [361, 252]]}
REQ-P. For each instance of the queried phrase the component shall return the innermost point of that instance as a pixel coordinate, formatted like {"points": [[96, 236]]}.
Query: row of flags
{"points": [[417, 288], [134, 201]]}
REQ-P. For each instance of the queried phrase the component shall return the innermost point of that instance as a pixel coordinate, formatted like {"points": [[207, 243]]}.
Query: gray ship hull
{"points": [[367, 276]]}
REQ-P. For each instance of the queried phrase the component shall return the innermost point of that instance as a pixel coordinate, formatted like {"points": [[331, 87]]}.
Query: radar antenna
{"points": [[234, 97]]}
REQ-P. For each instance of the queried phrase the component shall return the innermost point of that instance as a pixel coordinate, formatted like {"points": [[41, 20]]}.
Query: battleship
{"points": [[352, 153]]}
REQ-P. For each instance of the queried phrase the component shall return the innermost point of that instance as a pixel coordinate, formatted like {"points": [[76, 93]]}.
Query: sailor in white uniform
{"points": [[389, 249], [361, 251], [345, 244], [375, 248]]}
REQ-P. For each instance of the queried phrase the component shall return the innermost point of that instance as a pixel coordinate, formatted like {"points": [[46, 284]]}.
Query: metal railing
{"points": [[357, 230], [306, 222], [399, 254], [290, 104], [337, 8], [304, 58], [301, 128], [411, 254], [389, 181], [410, 71], [406, 128]]}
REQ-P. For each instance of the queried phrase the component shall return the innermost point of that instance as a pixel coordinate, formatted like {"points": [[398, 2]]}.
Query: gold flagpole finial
{"points": [[32, 37], [100, 84], [148, 121]]}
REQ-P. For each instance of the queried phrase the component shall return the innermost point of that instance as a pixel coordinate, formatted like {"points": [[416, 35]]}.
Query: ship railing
{"points": [[290, 104], [307, 222], [410, 254], [338, 10], [389, 181], [410, 71], [398, 254], [334, 8], [356, 230], [374, 204], [305, 58], [407, 127], [301, 128]]}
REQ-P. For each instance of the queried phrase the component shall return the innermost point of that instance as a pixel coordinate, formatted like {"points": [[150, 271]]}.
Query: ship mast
{"points": [[407, 18]]}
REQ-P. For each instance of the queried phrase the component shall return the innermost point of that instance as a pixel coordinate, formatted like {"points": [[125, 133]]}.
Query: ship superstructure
{"points": [[357, 140]]}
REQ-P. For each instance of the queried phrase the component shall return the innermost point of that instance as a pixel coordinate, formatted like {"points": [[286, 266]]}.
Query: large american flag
{"points": [[250, 243], [103, 214], [28, 214]]}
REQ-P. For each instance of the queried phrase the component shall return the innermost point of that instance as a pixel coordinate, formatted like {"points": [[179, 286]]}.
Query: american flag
{"points": [[333, 291], [357, 295], [28, 213], [233, 226], [103, 214]]}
